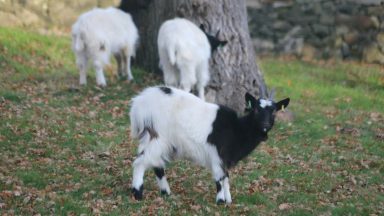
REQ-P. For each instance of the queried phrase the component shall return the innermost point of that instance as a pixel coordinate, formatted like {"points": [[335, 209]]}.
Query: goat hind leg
{"points": [[202, 79], [139, 168], [120, 64], [187, 78], [162, 181]]}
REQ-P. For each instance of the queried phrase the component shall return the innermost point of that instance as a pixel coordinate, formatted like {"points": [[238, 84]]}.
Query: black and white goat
{"points": [[173, 124], [184, 52]]}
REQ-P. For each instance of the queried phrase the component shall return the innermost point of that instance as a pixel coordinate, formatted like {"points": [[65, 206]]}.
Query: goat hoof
{"points": [[164, 192], [220, 201], [138, 194], [122, 77]]}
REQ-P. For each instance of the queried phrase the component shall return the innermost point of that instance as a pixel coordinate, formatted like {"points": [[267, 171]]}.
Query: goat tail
{"points": [[172, 52], [141, 124], [137, 126]]}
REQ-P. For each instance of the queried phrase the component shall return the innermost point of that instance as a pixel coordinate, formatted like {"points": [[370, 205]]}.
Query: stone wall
{"points": [[345, 29], [46, 15]]}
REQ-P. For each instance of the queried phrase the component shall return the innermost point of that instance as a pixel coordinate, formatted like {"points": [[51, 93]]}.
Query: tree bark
{"points": [[233, 68]]}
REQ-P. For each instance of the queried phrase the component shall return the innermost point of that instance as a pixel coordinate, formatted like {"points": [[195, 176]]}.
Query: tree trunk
{"points": [[233, 67]]}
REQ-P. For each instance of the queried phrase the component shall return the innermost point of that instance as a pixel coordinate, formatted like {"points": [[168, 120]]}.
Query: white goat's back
{"points": [[183, 40], [110, 26]]}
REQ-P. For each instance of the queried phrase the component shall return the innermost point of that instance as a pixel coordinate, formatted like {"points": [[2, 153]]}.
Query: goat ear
{"points": [[223, 43], [250, 102], [282, 104]]}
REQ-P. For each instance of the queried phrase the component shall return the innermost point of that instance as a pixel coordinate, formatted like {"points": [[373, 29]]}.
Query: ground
{"points": [[66, 149]]}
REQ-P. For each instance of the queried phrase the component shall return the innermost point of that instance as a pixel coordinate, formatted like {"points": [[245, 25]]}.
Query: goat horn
{"points": [[217, 34], [272, 94]]}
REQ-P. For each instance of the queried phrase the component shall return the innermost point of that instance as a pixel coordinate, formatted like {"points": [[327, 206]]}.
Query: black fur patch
{"points": [[140, 154], [159, 172], [214, 42], [234, 137], [220, 201], [132, 6], [218, 186], [152, 133], [174, 150], [163, 192], [102, 47], [166, 90], [138, 194]]}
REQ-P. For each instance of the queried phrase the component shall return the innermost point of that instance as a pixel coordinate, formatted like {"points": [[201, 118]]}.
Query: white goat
{"points": [[184, 52], [99, 33], [173, 124]]}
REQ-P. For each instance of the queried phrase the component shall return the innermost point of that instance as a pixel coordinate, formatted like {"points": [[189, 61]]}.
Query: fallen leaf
{"points": [[106, 191], [380, 136], [285, 206], [105, 154], [351, 131]]}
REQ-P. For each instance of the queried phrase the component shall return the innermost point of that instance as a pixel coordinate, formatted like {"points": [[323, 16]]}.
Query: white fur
{"points": [[184, 53], [163, 184], [182, 122], [227, 192], [99, 33], [264, 103]]}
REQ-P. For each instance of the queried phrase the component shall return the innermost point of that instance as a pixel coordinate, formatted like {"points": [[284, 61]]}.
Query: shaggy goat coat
{"points": [[173, 124], [99, 33]]}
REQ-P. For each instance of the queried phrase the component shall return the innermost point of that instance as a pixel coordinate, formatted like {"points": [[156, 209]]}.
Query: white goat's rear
{"points": [[181, 122], [184, 53]]}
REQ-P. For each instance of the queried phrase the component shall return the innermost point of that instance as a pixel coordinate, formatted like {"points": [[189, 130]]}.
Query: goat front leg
{"points": [[82, 64], [222, 185], [126, 56], [100, 79], [227, 192]]}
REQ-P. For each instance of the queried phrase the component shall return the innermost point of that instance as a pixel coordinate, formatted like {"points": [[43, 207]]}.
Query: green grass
{"points": [[66, 149]]}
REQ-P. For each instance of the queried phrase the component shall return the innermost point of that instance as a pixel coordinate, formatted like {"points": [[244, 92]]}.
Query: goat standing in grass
{"points": [[173, 124], [184, 52], [99, 33]]}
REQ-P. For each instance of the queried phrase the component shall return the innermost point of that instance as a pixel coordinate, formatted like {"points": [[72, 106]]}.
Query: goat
{"points": [[173, 124], [99, 33], [184, 52]]}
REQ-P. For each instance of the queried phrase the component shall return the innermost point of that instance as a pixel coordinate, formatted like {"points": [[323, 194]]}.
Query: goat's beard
{"points": [[264, 135]]}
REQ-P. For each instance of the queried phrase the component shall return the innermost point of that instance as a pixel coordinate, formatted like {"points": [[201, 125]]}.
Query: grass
{"points": [[66, 149]]}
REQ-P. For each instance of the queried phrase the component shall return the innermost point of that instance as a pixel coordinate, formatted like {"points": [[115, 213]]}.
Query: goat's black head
{"points": [[264, 111], [132, 6], [214, 41]]}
